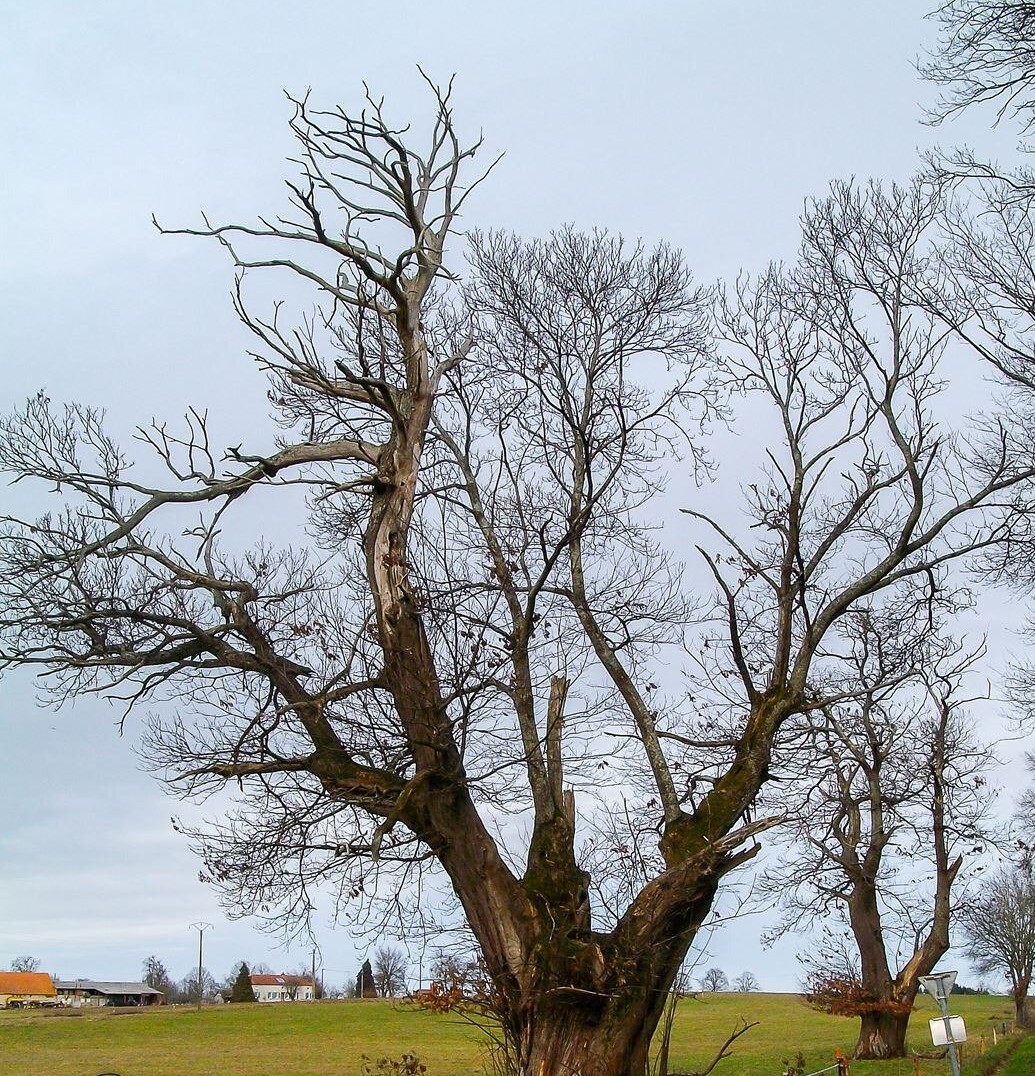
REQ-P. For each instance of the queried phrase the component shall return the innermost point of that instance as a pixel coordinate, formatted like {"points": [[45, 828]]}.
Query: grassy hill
{"points": [[328, 1038]]}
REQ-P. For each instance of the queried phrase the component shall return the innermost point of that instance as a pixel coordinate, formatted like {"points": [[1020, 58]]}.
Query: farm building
{"points": [[26, 989], [283, 987], [84, 993]]}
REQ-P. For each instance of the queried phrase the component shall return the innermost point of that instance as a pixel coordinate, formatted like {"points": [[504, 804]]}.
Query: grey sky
{"points": [[704, 123]]}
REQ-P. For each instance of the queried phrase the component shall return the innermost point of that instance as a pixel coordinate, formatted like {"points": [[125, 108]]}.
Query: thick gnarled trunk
{"points": [[588, 1003], [573, 1002], [882, 1036], [889, 999], [567, 1038], [603, 1027], [882, 1029]]}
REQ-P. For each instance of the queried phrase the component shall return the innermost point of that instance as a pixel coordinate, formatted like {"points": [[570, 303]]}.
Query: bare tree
{"points": [[1025, 814], [157, 976], [892, 789], [714, 979], [986, 55], [191, 985], [450, 971], [999, 925], [390, 971], [483, 632], [746, 982], [25, 963]]}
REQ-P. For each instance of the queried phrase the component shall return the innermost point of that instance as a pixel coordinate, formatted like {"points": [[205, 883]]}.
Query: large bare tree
{"points": [[473, 645], [888, 800]]}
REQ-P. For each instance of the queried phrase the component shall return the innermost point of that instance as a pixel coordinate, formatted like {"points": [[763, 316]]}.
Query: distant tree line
{"points": [[235, 986], [715, 980], [385, 976]]}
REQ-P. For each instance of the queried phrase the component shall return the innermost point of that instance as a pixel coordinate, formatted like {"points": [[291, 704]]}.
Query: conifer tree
{"points": [[366, 987], [242, 988]]}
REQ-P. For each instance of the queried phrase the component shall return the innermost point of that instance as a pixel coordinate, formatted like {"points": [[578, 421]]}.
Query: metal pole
{"points": [[954, 1059], [940, 987], [200, 928]]}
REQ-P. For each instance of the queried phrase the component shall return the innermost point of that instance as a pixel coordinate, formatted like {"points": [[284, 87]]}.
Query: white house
{"points": [[283, 987]]}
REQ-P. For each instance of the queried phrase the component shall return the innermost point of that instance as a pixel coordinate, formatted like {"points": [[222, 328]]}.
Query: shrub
{"points": [[407, 1065]]}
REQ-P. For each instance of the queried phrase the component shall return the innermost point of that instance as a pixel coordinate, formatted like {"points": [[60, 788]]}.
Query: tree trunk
{"points": [[572, 1036], [882, 1035], [1023, 1015], [591, 1002], [882, 1031]]}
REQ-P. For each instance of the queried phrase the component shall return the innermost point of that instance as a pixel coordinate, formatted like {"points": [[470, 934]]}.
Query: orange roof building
{"points": [[26, 988]]}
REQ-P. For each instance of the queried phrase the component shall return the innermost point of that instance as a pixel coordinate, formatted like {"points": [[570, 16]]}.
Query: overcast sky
{"points": [[706, 123]]}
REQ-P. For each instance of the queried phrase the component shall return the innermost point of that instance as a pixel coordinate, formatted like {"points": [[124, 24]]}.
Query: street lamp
{"points": [[952, 1030], [200, 928]]}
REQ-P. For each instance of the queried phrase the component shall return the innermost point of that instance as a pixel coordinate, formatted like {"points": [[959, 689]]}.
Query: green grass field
{"points": [[327, 1039], [1022, 1062]]}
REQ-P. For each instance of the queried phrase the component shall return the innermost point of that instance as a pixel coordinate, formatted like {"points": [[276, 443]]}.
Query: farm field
{"points": [[328, 1038]]}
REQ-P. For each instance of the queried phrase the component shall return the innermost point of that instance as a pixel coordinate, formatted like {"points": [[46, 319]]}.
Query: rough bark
{"points": [[1022, 1008], [882, 1036], [888, 999]]}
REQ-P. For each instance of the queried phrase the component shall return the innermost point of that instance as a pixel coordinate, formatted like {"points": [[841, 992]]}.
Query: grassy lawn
{"points": [[786, 1025], [233, 1040], [1022, 1062], [327, 1039]]}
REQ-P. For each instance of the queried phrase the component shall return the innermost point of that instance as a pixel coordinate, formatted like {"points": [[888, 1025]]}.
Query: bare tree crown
{"points": [[481, 625]]}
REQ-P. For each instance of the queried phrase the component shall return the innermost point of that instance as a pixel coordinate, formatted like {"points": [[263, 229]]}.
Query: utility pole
{"points": [[200, 928]]}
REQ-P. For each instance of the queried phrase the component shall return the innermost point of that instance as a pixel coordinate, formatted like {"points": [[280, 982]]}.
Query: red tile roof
{"points": [[27, 982], [281, 980]]}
